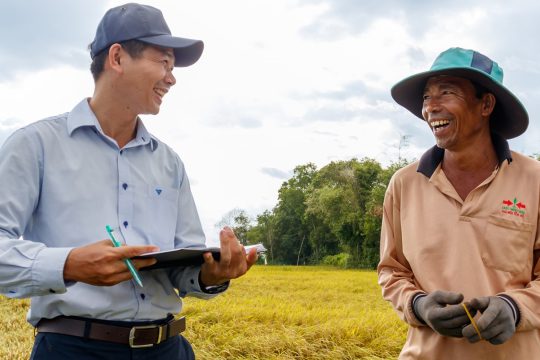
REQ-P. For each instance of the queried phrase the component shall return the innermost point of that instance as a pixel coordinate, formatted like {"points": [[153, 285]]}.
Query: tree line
{"points": [[327, 216]]}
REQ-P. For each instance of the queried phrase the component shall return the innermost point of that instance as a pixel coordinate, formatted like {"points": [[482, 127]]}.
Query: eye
{"points": [[425, 97], [167, 65]]}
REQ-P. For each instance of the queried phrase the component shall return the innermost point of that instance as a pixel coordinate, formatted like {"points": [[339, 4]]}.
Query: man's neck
{"points": [[468, 168], [116, 121], [470, 161]]}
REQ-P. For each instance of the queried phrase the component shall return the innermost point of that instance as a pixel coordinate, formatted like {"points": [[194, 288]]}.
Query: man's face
{"points": [[452, 111], [148, 78]]}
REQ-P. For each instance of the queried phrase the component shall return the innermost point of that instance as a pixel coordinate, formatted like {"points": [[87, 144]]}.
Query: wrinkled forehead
{"points": [[448, 80]]}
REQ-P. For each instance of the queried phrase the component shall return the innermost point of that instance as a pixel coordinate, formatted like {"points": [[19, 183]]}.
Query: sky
{"points": [[280, 83]]}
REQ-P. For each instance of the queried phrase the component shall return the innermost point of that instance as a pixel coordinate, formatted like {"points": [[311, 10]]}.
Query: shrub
{"points": [[341, 260]]}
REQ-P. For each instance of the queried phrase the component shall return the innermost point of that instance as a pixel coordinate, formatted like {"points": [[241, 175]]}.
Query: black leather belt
{"points": [[134, 336]]}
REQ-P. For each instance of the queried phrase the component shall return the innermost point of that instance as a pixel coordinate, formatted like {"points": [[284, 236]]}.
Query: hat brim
{"points": [[509, 118], [186, 51]]}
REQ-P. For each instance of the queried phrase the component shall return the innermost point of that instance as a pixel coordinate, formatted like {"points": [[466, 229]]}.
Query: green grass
{"points": [[271, 313]]}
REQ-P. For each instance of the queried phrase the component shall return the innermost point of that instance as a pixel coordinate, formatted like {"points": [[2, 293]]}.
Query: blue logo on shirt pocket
{"points": [[159, 216]]}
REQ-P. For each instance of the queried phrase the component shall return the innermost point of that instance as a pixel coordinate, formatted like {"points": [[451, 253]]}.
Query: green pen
{"points": [[128, 262]]}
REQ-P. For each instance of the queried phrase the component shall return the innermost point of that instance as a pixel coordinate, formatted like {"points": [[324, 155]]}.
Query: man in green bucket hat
{"points": [[459, 241]]}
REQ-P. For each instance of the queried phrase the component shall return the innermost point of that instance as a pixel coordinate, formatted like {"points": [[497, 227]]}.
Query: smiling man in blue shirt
{"points": [[64, 178]]}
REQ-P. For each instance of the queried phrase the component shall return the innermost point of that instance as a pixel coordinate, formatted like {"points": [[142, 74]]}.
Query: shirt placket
{"points": [[126, 205], [125, 195]]}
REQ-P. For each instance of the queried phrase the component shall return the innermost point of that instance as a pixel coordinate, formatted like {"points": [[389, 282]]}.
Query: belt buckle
{"points": [[135, 328]]}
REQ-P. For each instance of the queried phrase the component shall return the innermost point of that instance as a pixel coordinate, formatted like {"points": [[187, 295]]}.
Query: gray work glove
{"points": [[497, 323], [443, 312]]}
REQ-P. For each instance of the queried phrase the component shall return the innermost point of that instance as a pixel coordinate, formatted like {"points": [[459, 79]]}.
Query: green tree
{"points": [[291, 231], [334, 213], [373, 216], [263, 232], [340, 192]]}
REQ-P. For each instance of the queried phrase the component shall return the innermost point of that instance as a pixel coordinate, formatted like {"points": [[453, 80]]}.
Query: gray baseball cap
{"points": [[144, 23]]}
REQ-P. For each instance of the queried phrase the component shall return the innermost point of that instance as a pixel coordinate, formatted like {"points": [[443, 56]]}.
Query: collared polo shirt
{"points": [[485, 245]]}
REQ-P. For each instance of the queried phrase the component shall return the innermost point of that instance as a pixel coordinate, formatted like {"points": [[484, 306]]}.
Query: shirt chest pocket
{"points": [[160, 215], [508, 244]]}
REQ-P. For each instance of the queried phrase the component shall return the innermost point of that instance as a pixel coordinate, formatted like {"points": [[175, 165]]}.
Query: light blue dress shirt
{"points": [[61, 181]]}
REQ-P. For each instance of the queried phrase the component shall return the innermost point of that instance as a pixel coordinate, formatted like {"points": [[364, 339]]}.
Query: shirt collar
{"points": [[83, 116], [431, 159], [144, 137]]}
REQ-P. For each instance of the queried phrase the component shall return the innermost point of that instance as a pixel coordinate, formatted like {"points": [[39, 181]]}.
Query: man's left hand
{"points": [[496, 324], [233, 262]]}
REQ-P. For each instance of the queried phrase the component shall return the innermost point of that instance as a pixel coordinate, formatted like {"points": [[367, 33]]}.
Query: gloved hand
{"points": [[497, 323], [443, 312]]}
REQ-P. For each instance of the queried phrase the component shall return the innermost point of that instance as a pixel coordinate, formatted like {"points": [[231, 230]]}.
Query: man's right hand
{"points": [[441, 310], [102, 264]]}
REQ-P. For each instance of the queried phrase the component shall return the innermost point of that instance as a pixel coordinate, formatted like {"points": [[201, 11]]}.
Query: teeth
{"points": [[438, 123], [160, 92]]}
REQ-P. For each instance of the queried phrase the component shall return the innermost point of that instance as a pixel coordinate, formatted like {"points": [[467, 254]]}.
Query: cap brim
{"points": [[509, 118], [186, 51]]}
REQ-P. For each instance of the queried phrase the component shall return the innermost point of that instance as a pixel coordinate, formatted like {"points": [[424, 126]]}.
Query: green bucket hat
{"points": [[509, 118]]}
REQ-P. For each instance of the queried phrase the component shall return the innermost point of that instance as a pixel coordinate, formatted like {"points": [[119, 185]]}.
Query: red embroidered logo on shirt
{"points": [[513, 208]]}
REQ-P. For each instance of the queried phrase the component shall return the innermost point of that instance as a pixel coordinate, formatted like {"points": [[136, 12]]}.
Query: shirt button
{"points": [[126, 224], [124, 185], [143, 296], [121, 152]]}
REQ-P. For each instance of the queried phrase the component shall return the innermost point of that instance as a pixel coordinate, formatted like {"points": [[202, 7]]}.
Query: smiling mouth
{"points": [[438, 125], [160, 92]]}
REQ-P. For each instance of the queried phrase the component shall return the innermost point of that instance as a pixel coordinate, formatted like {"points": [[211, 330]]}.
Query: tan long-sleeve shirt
{"points": [[485, 245]]}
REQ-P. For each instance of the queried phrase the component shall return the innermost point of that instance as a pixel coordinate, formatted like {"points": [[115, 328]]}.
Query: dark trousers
{"points": [[49, 346]]}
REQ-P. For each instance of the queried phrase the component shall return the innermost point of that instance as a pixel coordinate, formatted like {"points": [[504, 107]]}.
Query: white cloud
{"points": [[281, 83], [39, 34], [31, 96]]}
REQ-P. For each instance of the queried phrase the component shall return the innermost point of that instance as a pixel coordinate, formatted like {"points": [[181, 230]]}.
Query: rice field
{"points": [[274, 312]]}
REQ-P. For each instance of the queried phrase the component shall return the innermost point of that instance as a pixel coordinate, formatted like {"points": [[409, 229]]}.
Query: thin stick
{"points": [[472, 321]]}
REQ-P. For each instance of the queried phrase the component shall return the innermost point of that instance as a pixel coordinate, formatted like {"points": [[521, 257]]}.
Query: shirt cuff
{"points": [[48, 270], [192, 286], [513, 305], [414, 300]]}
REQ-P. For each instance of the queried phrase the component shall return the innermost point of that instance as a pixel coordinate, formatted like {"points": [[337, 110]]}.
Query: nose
{"points": [[170, 79]]}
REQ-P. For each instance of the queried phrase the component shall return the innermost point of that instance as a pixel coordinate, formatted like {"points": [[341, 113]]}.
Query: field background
{"points": [[274, 312]]}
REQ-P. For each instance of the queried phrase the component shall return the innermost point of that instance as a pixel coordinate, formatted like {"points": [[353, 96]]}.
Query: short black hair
{"points": [[133, 47]]}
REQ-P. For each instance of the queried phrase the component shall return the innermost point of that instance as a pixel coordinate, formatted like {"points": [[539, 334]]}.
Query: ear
{"points": [[114, 60], [488, 104]]}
